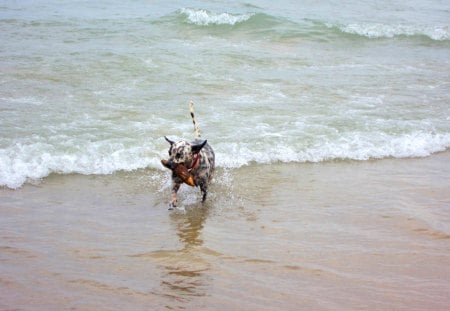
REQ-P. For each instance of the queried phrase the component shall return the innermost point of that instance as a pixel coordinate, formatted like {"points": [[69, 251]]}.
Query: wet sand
{"points": [[340, 235]]}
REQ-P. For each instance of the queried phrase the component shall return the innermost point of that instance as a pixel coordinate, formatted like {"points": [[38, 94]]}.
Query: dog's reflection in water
{"points": [[186, 270]]}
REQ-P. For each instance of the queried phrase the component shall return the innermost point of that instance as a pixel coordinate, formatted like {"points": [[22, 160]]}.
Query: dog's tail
{"points": [[196, 128]]}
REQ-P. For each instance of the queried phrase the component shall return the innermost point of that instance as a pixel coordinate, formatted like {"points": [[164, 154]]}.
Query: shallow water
{"points": [[338, 235], [92, 88]]}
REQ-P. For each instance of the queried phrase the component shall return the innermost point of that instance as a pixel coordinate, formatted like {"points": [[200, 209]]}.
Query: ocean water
{"points": [[92, 87]]}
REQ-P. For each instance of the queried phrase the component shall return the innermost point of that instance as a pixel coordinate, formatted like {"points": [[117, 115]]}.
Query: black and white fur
{"points": [[197, 156]]}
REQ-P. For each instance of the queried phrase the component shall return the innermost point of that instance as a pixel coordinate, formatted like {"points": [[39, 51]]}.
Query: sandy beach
{"points": [[340, 235]]}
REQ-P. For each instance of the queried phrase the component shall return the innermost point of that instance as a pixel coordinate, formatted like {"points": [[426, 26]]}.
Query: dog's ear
{"points": [[196, 148], [169, 141]]}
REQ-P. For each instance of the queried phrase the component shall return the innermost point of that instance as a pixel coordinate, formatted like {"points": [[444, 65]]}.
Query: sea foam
{"points": [[204, 17], [378, 30], [353, 146], [22, 163]]}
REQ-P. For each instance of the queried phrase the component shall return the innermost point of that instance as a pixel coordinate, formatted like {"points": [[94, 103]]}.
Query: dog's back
{"points": [[206, 165], [203, 172]]}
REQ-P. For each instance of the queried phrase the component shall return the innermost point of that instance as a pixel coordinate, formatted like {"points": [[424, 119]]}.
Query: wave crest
{"points": [[279, 26], [353, 146], [378, 30], [204, 18], [22, 163]]}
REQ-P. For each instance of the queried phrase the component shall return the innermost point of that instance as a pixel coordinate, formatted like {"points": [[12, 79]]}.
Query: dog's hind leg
{"points": [[204, 190]]}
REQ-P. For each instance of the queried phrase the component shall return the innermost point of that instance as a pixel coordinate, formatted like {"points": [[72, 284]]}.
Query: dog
{"points": [[197, 156]]}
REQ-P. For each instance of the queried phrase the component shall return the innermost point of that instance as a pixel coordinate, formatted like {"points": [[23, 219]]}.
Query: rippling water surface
{"points": [[92, 88], [335, 235]]}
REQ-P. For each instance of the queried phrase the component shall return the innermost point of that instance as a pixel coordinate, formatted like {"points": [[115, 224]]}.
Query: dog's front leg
{"points": [[173, 199]]}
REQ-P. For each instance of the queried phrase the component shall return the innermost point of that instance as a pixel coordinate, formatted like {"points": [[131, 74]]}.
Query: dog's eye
{"points": [[178, 155]]}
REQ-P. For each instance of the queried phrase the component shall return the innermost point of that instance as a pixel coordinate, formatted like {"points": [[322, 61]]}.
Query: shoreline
{"points": [[160, 173], [332, 235]]}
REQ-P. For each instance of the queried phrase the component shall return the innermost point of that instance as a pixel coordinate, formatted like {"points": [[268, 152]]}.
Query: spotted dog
{"points": [[197, 156]]}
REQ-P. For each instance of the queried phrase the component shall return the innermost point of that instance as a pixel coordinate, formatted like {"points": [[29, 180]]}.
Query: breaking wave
{"points": [[205, 18], [378, 30], [22, 163], [307, 27]]}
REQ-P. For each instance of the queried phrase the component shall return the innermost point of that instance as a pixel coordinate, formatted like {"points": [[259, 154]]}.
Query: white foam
{"points": [[353, 146], [378, 30], [20, 163], [26, 100], [204, 18]]}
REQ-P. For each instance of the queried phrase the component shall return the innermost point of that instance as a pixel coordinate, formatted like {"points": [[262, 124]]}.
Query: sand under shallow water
{"points": [[327, 236]]}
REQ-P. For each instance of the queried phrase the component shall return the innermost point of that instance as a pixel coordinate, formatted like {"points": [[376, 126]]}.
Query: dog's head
{"points": [[183, 152]]}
